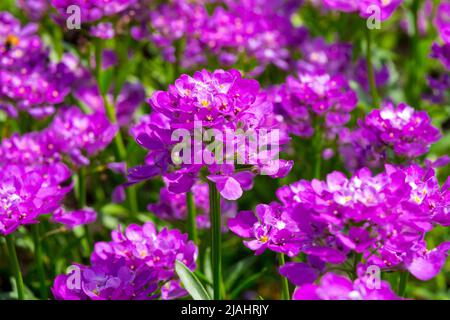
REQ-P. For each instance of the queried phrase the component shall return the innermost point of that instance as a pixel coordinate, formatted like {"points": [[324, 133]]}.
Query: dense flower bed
{"points": [[167, 149]]}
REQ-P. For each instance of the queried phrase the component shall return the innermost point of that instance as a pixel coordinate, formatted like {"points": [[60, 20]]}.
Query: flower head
{"points": [[26, 192], [234, 113], [131, 266]]}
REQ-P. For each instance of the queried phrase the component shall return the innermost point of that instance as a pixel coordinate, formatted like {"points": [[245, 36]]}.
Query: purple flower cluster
{"points": [[71, 132], [222, 101], [252, 29], [29, 82], [172, 206], [440, 88], [406, 131], [310, 96], [336, 287], [26, 192], [72, 219], [93, 10], [365, 7], [133, 266], [34, 9], [75, 132], [319, 57], [442, 23], [384, 218], [33, 148], [272, 228], [33, 179]]}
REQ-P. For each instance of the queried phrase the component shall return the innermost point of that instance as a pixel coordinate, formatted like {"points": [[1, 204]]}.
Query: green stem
{"points": [[216, 235], [39, 261], [285, 295], [192, 225], [118, 140], [402, 283], [15, 266], [318, 151], [370, 71], [132, 199], [82, 204]]}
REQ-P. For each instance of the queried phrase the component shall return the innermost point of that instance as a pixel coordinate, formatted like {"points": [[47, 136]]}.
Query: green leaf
{"points": [[105, 80], [114, 209], [238, 269], [191, 282], [249, 281]]}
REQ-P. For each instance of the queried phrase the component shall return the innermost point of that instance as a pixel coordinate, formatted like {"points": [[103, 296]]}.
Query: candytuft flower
{"points": [[335, 287], [408, 132], [72, 219], [27, 192], [131, 266], [221, 101]]}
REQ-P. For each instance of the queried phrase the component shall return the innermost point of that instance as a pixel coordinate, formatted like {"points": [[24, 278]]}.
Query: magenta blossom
{"points": [[407, 131], [272, 228], [80, 134], [72, 219], [223, 103], [335, 287], [133, 265], [28, 192], [366, 8]]}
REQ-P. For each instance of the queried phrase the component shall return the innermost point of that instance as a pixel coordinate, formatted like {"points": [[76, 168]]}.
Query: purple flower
{"points": [[300, 100], [342, 5], [34, 9], [131, 267], [77, 132], [72, 219], [426, 264], [320, 57], [93, 10], [111, 280], [28, 81], [272, 228], [223, 102], [439, 86], [103, 31], [335, 287], [366, 8], [407, 131], [442, 53], [29, 149], [28, 192], [386, 7], [299, 273], [259, 30], [442, 21], [383, 217]]}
